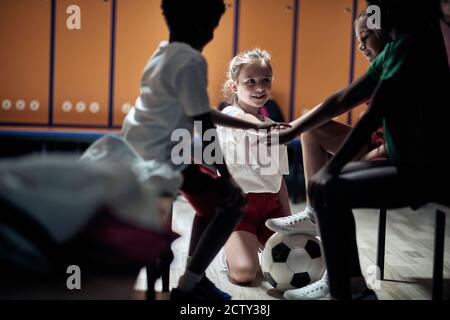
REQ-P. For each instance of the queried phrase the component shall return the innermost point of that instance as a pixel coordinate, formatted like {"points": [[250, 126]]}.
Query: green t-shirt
{"points": [[390, 61], [389, 64], [415, 118]]}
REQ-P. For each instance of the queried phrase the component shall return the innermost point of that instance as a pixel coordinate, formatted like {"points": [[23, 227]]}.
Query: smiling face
{"points": [[369, 44], [253, 85]]}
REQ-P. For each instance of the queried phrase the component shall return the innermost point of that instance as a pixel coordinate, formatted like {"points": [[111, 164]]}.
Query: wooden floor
{"points": [[409, 256]]}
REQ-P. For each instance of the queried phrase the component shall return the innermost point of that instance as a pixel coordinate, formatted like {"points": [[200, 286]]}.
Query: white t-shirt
{"points": [[249, 163], [173, 90]]}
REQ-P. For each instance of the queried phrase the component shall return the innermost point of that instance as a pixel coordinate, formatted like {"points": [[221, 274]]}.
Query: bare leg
{"points": [[241, 251], [210, 231], [317, 143], [284, 197], [379, 152], [198, 226]]}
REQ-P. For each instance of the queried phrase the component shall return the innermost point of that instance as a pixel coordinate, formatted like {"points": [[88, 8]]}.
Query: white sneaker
{"points": [[315, 291], [297, 223]]}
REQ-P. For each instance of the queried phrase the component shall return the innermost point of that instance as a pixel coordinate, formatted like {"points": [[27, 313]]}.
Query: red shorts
{"points": [[260, 207], [204, 189]]}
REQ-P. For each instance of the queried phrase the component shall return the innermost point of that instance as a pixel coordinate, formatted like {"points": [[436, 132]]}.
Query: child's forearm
{"points": [[333, 106], [368, 123], [207, 123], [228, 121], [313, 119]]}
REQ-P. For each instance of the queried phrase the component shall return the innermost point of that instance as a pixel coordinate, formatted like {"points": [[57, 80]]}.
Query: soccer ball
{"points": [[292, 261]]}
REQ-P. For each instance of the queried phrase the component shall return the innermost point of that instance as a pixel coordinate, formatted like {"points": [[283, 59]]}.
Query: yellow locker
{"points": [[24, 58], [268, 24], [140, 27], [218, 54], [82, 62], [323, 52], [361, 65]]}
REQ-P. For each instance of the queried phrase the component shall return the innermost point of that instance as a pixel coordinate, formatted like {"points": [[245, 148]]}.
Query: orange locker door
{"points": [[25, 61], [361, 66], [268, 24], [324, 51], [140, 27], [82, 63], [218, 53]]}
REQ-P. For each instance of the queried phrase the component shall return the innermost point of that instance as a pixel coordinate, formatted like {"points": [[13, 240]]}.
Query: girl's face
{"points": [[369, 44], [253, 85], [445, 9]]}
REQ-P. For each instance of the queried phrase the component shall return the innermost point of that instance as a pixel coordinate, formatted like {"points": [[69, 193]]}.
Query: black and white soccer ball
{"points": [[292, 261]]}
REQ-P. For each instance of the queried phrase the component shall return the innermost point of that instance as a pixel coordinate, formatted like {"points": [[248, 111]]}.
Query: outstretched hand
{"points": [[281, 135], [273, 125]]}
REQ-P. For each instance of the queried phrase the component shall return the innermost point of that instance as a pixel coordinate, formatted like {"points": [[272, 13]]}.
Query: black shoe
{"points": [[178, 295], [205, 290], [367, 294], [211, 290]]}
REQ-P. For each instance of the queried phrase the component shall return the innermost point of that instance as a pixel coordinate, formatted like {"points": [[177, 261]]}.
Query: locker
{"points": [[361, 66], [24, 58], [82, 64], [140, 27], [218, 54], [323, 53], [268, 24]]}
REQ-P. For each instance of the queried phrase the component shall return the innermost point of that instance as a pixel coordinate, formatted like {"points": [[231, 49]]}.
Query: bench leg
{"points": [[165, 262], [161, 268], [381, 241], [438, 256], [152, 276]]}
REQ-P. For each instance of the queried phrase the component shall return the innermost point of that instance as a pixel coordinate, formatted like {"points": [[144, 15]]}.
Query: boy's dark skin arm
{"points": [[207, 123], [233, 122], [368, 123], [337, 104]]}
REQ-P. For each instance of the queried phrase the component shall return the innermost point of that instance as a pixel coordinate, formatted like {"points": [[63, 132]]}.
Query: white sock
{"points": [[188, 281]]}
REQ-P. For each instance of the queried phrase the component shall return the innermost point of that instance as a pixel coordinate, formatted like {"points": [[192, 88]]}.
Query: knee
{"points": [[243, 274], [307, 137]]}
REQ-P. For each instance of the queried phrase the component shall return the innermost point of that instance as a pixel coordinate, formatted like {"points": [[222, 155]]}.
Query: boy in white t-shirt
{"points": [[173, 96]]}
